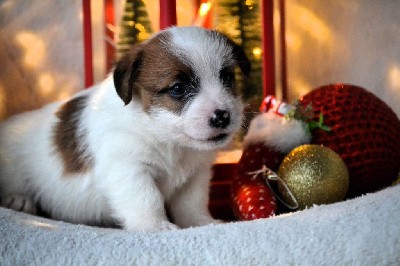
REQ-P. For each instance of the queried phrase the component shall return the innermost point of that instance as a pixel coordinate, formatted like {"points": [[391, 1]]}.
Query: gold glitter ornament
{"points": [[315, 175]]}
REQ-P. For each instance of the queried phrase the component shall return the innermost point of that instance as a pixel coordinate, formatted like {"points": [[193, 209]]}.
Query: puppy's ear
{"points": [[126, 72], [240, 56]]}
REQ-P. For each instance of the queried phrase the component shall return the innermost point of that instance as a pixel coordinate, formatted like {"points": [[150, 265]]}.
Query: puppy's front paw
{"points": [[152, 227], [198, 221], [166, 226], [18, 203], [207, 220]]}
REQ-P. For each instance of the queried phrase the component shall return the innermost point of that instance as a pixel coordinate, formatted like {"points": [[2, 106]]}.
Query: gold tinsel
{"points": [[315, 175]]}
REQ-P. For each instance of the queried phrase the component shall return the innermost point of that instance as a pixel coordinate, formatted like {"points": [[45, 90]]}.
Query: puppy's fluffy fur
{"points": [[134, 146]]}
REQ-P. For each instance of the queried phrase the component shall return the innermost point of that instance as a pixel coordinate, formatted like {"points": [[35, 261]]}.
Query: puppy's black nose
{"points": [[220, 119]]}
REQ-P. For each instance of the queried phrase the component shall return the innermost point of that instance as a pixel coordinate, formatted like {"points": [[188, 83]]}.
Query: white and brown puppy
{"points": [[97, 159]]}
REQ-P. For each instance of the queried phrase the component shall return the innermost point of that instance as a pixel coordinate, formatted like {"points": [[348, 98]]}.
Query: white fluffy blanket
{"points": [[362, 231]]}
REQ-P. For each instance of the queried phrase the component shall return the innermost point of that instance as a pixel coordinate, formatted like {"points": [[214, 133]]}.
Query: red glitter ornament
{"points": [[251, 197], [254, 200], [364, 132]]}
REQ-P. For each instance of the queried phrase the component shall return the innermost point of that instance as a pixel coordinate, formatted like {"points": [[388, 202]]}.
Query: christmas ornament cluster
{"points": [[337, 142]]}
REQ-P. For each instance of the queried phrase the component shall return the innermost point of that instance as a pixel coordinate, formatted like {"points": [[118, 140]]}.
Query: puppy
{"points": [[137, 149]]}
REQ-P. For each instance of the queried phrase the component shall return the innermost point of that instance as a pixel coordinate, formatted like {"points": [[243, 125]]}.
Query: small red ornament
{"points": [[251, 197], [364, 132], [254, 200]]}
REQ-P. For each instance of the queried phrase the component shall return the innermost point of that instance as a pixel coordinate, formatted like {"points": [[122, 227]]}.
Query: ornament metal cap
{"points": [[270, 175]]}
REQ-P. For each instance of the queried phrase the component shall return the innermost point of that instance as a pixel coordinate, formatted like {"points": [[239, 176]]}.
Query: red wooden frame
{"points": [[268, 45], [109, 21], [283, 50], [87, 42], [167, 13]]}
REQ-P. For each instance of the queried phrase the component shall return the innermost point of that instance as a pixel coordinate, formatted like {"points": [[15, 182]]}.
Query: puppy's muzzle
{"points": [[220, 119]]}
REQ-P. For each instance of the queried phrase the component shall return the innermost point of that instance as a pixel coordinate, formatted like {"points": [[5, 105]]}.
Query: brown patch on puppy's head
{"points": [[148, 71]]}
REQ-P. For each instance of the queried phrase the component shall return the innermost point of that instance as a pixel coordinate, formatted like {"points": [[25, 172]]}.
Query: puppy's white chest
{"points": [[179, 169]]}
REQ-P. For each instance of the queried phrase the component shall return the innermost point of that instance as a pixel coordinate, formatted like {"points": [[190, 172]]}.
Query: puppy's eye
{"points": [[177, 90], [227, 77]]}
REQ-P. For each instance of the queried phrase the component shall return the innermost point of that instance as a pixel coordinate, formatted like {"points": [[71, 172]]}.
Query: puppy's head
{"points": [[184, 78]]}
